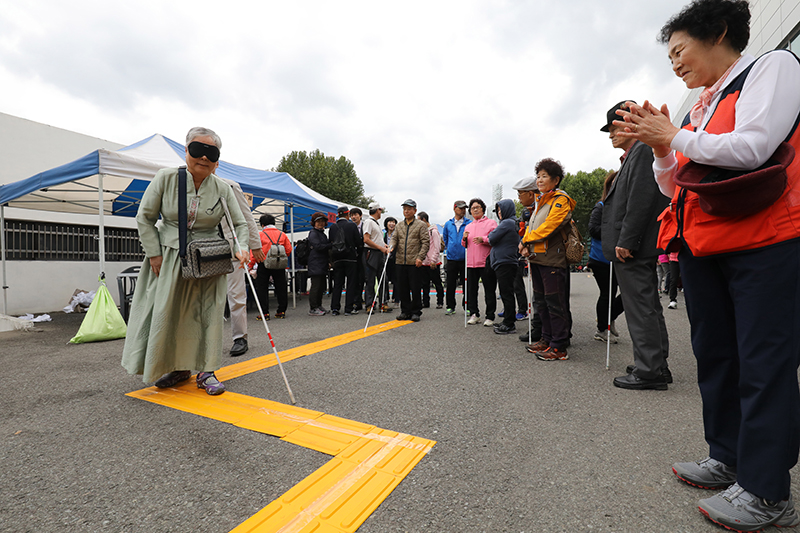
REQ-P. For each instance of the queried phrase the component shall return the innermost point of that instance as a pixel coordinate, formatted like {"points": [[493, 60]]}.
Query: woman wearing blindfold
{"points": [[175, 324]]}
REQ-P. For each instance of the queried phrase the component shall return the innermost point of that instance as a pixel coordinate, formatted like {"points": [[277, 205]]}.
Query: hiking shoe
{"points": [[450, 311], [173, 378], [239, 347], [613, 328], [386, 308], [538, 346], [415, 318], [552, 354], [521, 316], [403, 316], [673, 304], [502, 329], [706, 474], [474, 319], [488, 322], [209, 382], [280, 315], [603, 336], [739, 510], [316, 312]]}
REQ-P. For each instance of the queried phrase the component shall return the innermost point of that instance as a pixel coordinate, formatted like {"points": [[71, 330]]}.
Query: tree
{"points": [[334, 178], [586, 189]]}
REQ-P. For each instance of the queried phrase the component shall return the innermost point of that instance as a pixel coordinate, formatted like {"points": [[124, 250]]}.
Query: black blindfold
{"points": [[198, 150]]}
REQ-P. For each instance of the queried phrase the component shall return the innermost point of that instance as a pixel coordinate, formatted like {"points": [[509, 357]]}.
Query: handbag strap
{"points": [[230, 225], [182, 217]]}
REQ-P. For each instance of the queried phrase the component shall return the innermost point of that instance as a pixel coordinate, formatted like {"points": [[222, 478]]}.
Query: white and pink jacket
{"points": [[477, 253]]}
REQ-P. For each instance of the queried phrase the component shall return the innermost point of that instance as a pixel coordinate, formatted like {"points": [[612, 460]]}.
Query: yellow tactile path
{"points": [[368, 462]]}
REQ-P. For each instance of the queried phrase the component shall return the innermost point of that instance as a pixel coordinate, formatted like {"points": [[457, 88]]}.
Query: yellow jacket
{"points": [[543, 236]]}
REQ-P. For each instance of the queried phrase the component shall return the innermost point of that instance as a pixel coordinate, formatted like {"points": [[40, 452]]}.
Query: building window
{"points": [[46, 241]]}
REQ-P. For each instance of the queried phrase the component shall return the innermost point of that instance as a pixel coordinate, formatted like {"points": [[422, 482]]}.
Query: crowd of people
{"points": [[670, 208]]}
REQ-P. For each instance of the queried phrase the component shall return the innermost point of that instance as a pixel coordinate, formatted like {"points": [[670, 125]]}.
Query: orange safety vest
{"points": [[706, 234]]}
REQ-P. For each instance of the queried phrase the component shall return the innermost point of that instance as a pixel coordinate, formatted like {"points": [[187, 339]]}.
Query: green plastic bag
{"points": [[103, 321]]}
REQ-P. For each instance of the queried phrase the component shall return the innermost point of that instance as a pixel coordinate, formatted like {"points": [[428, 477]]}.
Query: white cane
{"points": [[530, 304], [258, 303], [375, 298], [608, 327], [466, 306]]}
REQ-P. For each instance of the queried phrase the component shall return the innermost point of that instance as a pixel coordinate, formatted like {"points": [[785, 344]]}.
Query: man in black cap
{"points": [[345, 239], [629, 234], [410, 241], [452, 235]]}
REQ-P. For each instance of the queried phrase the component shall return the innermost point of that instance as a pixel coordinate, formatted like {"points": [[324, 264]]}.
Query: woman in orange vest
{"points": [[739, 254]]}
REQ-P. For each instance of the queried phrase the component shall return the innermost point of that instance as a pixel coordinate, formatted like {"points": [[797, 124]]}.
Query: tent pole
{"points": [[3, 256], [294, 266], [101, 249]]}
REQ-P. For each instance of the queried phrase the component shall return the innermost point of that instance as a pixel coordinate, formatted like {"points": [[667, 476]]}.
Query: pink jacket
{"points": [[433, 250], [477, 253]]}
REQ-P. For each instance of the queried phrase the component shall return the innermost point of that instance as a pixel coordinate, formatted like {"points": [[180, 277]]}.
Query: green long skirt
{"points": [[175, 323]]}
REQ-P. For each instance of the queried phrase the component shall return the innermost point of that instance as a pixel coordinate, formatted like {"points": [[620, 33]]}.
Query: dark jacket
{"points": [[596, 232], [352, 239], [632, 206], [505, 237], [318, 255], [410, 241]]}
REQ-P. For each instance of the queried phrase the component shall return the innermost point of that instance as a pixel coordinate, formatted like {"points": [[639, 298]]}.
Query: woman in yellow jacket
{"points": [[543, 245]]}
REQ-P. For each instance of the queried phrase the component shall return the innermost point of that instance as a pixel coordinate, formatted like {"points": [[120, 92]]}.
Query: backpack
{"points": [[338, 244], [302, 251], [276, 257]]}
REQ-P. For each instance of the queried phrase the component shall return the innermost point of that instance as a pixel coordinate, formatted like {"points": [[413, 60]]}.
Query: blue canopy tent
{"points": [[108, 182]]}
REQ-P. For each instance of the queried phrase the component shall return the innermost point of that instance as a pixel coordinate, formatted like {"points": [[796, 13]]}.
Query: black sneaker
{"points": [[403, 316], [502, 329], [414, 318], [335, 312]]}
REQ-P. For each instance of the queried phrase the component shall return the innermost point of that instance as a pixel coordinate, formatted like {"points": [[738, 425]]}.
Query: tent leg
{"points": [[294, 266], [101, 249], [3, 257]]}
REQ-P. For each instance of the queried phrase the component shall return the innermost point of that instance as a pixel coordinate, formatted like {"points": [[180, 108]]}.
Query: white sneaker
{"points": [[488, 323], [613, 328], [602, 336], [474, 319], [673, 304]]}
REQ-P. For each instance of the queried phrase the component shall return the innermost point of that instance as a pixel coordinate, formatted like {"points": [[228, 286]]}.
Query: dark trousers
{"points": [[432, 276], [550, 299], [486, 275], [744, 311], [601, 271], [506, 275], [359, 281], [317, 289], [372, 275], [278, 277], [454, 273], [674, 278], [519, 289], [643, 313], [342, 270], [407, 287]]}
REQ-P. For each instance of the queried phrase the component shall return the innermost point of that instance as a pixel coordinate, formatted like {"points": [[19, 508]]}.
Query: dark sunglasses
{"points": [[198, 150]]}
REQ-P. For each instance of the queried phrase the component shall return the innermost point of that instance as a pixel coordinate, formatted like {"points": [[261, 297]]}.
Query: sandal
{"points": [[209, 382]]}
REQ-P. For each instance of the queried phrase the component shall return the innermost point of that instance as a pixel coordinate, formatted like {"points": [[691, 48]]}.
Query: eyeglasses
{"points": [[198, 150]]}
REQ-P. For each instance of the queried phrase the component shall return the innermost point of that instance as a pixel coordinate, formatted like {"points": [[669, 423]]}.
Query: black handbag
{"points": [[201, 258]]}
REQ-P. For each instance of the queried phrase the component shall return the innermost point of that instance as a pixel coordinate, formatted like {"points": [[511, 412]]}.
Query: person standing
{"points": [[345, 239], [430, 272], [375, 253], [389, 224], [272, 236], [741, 282], [237, 284], [356, 218], [476, 242], [527, 192], [452, 235], [410, 243], [630, 230], [504, 255], [319, 248]]}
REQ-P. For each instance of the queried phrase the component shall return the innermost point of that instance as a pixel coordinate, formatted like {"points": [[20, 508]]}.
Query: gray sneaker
{"points": [[706, 474], [740, 510]]}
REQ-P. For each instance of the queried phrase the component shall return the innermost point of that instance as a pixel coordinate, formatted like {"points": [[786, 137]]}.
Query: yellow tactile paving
{"points": [[369, 462]]}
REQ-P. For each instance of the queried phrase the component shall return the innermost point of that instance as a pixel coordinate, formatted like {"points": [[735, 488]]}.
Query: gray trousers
{"points": [[643, 313], [237, 300]]}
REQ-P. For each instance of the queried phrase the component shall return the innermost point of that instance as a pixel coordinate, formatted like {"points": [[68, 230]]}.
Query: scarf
{"points": [[701, 106]]}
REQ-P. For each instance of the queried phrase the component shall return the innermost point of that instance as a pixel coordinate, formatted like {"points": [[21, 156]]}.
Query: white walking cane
{"points": [[258, 303], [466, 306], [380, 286], [608, 328], [530, 303]]}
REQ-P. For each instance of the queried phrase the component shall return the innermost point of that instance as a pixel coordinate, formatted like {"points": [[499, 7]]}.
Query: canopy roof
{"points": [[74, 187]]}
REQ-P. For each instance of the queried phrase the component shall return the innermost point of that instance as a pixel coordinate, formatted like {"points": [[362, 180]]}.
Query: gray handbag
{"points": [[201, 258]]}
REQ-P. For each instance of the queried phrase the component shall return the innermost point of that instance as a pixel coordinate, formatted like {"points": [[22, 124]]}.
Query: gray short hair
{"points": [[203, 132]]}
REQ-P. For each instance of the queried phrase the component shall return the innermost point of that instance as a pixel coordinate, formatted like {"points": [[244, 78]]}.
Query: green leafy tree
{"points": [[585, 188], [334, 178]]}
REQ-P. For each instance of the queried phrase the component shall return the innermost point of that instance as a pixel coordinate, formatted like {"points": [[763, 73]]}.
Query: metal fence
{"points": [[48, 241]]}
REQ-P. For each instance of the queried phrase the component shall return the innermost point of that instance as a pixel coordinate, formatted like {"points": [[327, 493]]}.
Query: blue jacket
{"points": [[505, 237], [452, 239]]}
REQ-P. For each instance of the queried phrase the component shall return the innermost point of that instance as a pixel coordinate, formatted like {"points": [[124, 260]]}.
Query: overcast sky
{"points": [[434, 101]]}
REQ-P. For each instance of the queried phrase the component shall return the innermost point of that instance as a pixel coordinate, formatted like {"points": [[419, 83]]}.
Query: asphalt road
{"points": [[523, 445]]}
